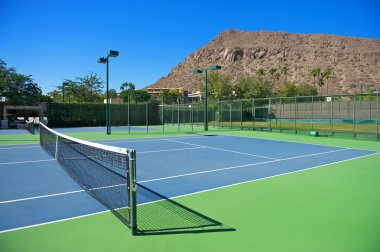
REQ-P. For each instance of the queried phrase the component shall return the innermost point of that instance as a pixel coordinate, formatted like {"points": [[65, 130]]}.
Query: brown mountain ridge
{"points": [[351, 60]]}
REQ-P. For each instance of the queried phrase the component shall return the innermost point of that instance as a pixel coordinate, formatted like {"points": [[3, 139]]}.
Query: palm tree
{"points": [[277, 76], [260, 73], [272, 72], [284, 71], [321, 79], [315, 73]]}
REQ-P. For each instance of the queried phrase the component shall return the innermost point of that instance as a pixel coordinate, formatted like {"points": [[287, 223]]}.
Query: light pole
{"points": [[197, 71], [105, 60], [65, 83]]}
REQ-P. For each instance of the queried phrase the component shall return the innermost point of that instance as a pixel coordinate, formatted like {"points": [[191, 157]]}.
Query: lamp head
{"points": [[102, 60], [113, 53], [197, 71], [214, 67]]}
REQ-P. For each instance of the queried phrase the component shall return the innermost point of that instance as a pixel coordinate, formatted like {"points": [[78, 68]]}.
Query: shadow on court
{"points": [[165, 216]]}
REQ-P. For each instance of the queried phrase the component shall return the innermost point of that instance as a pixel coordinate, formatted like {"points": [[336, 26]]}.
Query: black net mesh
{"points": [[29, 126], [101, 172]]}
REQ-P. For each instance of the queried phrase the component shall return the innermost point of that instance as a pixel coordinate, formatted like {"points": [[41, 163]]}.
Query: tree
{"points": [[127, 86], [89, 87], [83, 89], [17, 88], [289, 89], [219, 86], [322, 77], [139, 96], [46, 98], [272, 72], [315, 73], [112, 93], [260, 73], [284, 71], [55, 95], [135, 96], [169, 97], [305, 89], [251, 87]]}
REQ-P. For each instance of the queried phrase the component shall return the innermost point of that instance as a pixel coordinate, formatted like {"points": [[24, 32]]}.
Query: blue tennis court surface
{"points": [[34, 189]]}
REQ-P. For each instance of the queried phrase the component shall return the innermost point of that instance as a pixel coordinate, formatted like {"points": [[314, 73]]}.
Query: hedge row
{"points": [[94, 114]]}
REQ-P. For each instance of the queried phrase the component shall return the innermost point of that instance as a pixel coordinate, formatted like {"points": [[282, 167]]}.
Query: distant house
{"points": [[114, 100], [155, 92]]}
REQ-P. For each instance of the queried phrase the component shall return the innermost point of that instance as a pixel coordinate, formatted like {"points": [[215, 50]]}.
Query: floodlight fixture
{"points": [[102, 60], [113, 53], [196, 71], [216, 67]]}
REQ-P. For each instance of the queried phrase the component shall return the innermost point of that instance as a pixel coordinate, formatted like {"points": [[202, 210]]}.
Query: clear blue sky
{"points": [[56, 40]]}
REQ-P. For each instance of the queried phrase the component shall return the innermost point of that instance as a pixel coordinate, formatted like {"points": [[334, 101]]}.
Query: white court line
{"points": [[59, 194], [153, 139], [273, 176], [144, 152], [40, 197], [209, 147], [284, 141], [20, 147], [170, 177], [51, 222], [189, 194], [28, 161], [239, 166]]}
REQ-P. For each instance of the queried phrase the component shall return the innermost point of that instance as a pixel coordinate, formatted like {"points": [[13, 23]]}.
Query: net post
{"points": [[178, 113], [241, 114], [377, 117], [56, 147], [295, 114], [132, 191], [147, 117], [129, 112]]}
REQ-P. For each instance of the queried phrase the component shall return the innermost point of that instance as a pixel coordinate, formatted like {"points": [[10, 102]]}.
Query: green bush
{"points": [[94, 114]]}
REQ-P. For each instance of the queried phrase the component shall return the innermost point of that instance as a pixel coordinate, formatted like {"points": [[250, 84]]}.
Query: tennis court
{"points": [[201, 192]]}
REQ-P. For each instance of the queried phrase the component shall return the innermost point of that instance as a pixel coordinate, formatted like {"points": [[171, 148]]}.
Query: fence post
{"points": [[295, 114], [253, 113], [230, 115], [178, 112], [220, 114], [191, 117], [163, 115], [312, 113], [147, 117], [377, 117], [198, 113], [268, 114], [172, 114], [241, 114], [353, 118], [332, 115], [129, 114], [281, 114]]}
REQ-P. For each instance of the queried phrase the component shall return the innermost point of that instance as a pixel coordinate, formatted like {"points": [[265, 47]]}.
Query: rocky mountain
{"points": [[351, 60]]}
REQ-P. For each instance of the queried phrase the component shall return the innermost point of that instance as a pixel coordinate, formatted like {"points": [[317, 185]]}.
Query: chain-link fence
{"points": [[354, 116]]}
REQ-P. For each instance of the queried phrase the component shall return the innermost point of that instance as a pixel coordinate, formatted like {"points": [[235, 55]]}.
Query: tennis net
{"points": [[105, 172], [29, 126]]}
